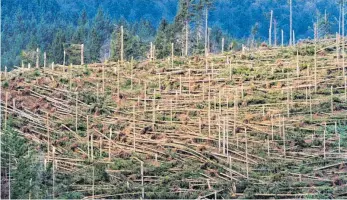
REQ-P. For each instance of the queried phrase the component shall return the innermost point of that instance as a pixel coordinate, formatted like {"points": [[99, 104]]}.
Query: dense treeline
{"points": [[55, 25]]}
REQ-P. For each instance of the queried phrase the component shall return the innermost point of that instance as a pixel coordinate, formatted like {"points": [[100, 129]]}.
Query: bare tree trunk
{"points": [[206, 30], [187, 35], [324, 146], [122, 45], [151, 52], [297, 63], [343, 38], [82, 54], [222, 45], [270, 29], [325, 23], [246, 152], [315, 57], [172, 54], [275, 32], [282, 37], [53, 172], [76, 112], [109, 146], [87, 130], [37, 57], [132, 73], [332, 99], [44, 59], [64, 62], [284, 138], [134, 129], [290, 22], [208, 41], [340, 16]]}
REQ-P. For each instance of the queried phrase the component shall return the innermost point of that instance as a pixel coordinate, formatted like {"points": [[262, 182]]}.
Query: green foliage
{"points": [[86, 70], [5, 84], [37, 73], [25, 165], [132, 44]]}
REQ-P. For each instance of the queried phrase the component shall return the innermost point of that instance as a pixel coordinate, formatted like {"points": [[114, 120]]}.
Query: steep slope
{"points": [[270, 122]]}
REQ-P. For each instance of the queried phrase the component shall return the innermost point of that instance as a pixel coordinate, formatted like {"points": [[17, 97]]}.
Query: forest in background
{"points": [[54, 25]]}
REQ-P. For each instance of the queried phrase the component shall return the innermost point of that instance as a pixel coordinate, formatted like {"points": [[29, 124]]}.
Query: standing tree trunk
{"points": [[290, 22], [37, 57], [275, 32], [44, 59], [187, 35], [82, 54], [340, 16], [270, 29], [222, 45], [64, 58], [282, 39], [315, 56], [343, 38], [122, 45], [206, 31]]}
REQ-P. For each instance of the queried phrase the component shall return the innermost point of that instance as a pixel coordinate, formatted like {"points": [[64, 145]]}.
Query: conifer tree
{"points": [[80, 35], [57, 48], [162, 40], [133, 47]]}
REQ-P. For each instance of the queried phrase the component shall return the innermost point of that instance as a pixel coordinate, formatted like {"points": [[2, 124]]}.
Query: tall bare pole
{"points": [[275, 32], [343, 37], [206, 31], [324, 145], [297, 63], [291, 22], [82, 54], [340, 16], [76, 112], [122, 45], [187, 36], [118, 81], [315, 57], [37, 57], [132, 73], [172, 55], [270, 29], [88, 145], [134, 129], [44, 59], [246, 151], [151, 52], [64, 61], [6, 111], [109, 145], [282, 38], [222, 45], [284, 137], [53, 172], [48, 137]]}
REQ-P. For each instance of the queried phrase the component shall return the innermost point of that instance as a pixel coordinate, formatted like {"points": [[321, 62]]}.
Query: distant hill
{"points": [[27, 24], [234, 16]]}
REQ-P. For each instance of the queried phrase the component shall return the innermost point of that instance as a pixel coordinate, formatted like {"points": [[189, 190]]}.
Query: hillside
{"points": [[264, 123]]}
